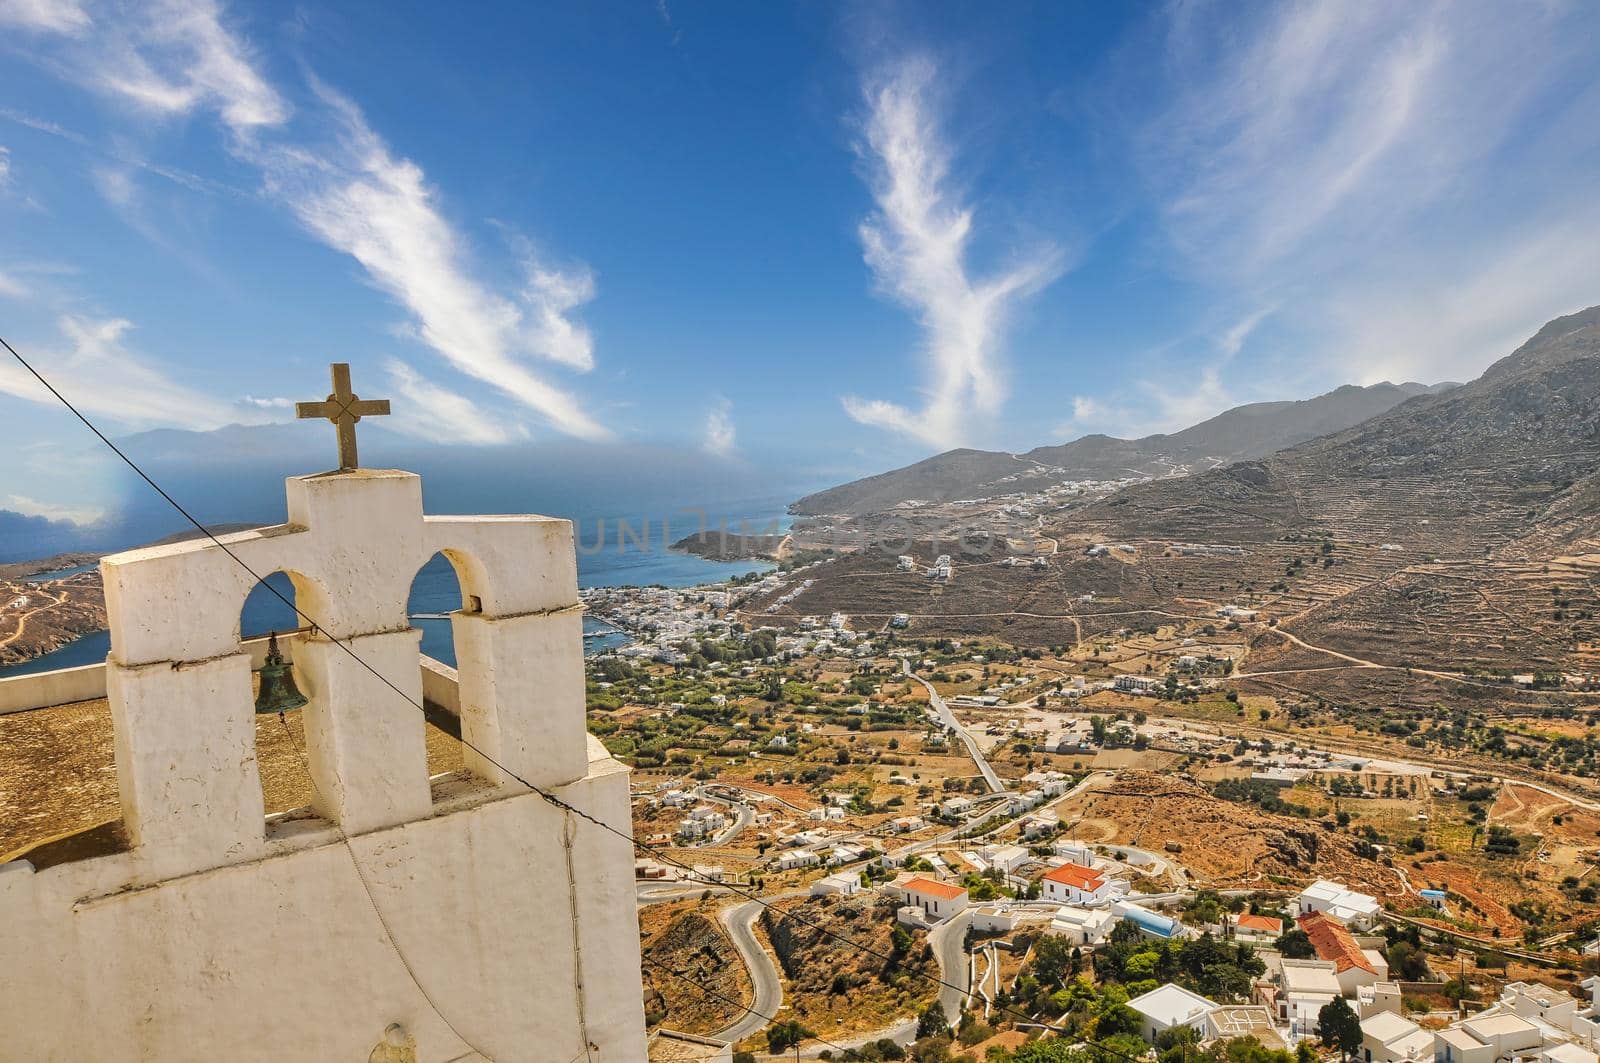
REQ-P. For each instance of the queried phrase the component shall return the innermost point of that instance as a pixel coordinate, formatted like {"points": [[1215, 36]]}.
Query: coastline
{"points": [[435, 593]]}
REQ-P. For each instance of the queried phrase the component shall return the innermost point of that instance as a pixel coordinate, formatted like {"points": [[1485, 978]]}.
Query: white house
{"points": [[1022, 801], [1391, 1038], [844, 853], [1357, 910], [1041, 823], [1528, 1020], [1007, 858], [956, 806], [1075, 884], [1049, 783], [1136, 684], [1083, 926], [797, 858], [937, 900], [1488, 1038], [179, 941], [1249, 927], [1170, 1006], [1307, 986], [1079, 852], [841, 883], [1004, 918]]}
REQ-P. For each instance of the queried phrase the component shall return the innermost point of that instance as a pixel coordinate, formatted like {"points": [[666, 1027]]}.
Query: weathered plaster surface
{"points": [[487, 910]]}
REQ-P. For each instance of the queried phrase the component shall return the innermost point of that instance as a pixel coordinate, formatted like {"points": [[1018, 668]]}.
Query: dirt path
{"points": [[22, 621]]}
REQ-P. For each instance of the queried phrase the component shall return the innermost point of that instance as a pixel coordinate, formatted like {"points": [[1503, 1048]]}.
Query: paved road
{"points": [[948, 718], [738, 922], [949, 948], [743, 815]]}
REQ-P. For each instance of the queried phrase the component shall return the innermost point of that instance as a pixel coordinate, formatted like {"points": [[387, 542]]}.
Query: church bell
{"points": [[278, 692]]}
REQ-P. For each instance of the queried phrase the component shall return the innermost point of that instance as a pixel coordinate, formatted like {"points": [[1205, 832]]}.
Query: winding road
{"points": [[739, 922], [948, 941], [948, 718]]}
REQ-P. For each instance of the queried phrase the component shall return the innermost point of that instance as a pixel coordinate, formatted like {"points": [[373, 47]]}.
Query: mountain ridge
{"points": [[1243, 432]]}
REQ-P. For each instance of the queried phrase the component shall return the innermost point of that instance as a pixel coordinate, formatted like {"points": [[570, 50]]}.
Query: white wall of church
{"points": [[219, 935], [284, 958]]}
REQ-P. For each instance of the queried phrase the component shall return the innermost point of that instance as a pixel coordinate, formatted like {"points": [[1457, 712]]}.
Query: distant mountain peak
{"points": [[1251, 431]]}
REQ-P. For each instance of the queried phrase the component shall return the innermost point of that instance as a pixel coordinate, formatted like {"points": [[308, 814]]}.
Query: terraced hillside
{"points": [[1458, 532]]}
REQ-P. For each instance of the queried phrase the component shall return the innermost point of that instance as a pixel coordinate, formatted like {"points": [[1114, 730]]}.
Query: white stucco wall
{"points": [[284, 958], [221, 936]]}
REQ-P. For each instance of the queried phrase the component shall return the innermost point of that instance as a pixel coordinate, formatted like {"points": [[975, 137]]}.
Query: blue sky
{"points": [[833, 238]]}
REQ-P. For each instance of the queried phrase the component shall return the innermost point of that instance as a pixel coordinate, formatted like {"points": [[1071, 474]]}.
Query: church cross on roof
{"points": [[344, 408]]}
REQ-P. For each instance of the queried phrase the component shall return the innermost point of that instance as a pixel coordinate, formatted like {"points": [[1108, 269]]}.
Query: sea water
{"points": [[611, 553]]}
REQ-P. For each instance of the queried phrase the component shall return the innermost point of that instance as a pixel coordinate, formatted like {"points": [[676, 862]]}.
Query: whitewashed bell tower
{"points": [[460, 917]]}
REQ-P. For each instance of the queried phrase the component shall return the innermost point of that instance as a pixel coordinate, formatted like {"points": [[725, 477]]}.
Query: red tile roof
{"points": [[934, 889], [1333, 942], [1077, 876], [1262, 923]]}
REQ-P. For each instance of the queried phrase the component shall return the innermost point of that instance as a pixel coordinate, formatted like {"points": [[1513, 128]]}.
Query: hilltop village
{"points": [[1103, 838]]}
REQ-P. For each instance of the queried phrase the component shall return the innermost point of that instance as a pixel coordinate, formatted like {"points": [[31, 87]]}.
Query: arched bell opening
{"points": [[434, 596], [270, 629]]}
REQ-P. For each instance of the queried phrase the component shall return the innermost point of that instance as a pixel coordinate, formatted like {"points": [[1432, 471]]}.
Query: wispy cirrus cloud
{"points": [[359, 198], [346, 187], [917, 243], [1354, 164], [439, 415], [52, 16], [101, 374], [721, 437], [172, 57]]}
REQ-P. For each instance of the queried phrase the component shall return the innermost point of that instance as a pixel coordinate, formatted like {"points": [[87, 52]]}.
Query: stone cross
{"points": [[344, 408]]}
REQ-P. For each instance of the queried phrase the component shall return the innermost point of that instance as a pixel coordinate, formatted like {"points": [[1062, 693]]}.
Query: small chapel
{"points": [[413, 905]]}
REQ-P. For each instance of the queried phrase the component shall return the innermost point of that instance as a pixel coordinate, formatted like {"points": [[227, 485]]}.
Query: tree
{"points": [[785, 1035], [1296, 945], [1053, 960], [1407, 962], [932, 1022], [1338, 1027]]}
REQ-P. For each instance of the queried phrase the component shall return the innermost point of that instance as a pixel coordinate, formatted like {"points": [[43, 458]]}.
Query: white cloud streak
{"points": [[46, 16], [176, 57], [439, 415], [360, 199], [721, 438], [255, 402], [917, 244], [354, 194], [102, 375], [1359, 165]]}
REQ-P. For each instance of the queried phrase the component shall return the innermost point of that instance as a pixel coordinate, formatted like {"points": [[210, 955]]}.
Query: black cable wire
{"points": [[548, 797]]}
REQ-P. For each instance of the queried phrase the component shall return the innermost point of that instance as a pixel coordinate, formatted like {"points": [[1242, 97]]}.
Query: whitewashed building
{"points": [[1358, 911], [1083, 926], [1170, 1006], [454, 917], [936, 900], [842, 883], [1072, 883]]}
